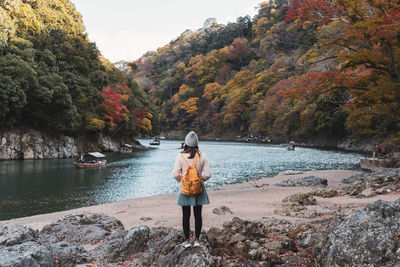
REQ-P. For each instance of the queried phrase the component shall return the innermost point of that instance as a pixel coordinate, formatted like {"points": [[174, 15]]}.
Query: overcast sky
{"points": [[126, 29]]}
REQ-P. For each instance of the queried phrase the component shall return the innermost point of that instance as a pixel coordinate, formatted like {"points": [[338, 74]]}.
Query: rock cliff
{"points": [[34, 144]]}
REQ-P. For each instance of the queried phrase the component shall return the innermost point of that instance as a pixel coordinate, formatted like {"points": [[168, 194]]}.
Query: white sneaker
{"points": [[196, 243], [186, 244]]}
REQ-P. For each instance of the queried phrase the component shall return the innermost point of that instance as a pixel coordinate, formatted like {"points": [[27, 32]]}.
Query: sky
{"points": [[126, 29]]}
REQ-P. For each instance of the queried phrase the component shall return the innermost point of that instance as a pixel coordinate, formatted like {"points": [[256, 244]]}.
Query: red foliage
{"points": [[321, 11], [112, 106]]}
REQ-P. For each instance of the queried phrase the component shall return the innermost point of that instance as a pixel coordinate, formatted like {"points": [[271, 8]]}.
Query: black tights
{"points": [[186, 220]]}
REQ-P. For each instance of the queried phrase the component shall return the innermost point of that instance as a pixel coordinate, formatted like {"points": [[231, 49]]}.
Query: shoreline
{"points": [[251, 200]]}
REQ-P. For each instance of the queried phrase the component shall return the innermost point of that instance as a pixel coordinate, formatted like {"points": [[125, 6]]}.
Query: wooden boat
{"points": [[87, 165], [96, 161]]}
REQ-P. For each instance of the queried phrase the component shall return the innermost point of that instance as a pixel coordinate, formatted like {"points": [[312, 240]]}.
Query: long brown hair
{"points": [[192, 150]]}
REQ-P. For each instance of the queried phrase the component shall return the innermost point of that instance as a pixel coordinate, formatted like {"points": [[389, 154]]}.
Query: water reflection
{"points": [[29, 187]]}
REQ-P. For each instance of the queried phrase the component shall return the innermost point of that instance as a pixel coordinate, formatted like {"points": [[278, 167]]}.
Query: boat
{"points": [[125, 148], [291, 145], [182, 145], [155, 142], [96, 160]]}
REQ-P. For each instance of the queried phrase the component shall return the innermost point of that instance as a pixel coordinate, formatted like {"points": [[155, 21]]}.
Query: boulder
{"points": [[69, 255], [301, 199], [193, 256], [26, 254], [367, 193], [324, 192], [16, 234], [368, 238], [83, 228], [355, 189], [304, 181], [135, 240], [295, 205]]}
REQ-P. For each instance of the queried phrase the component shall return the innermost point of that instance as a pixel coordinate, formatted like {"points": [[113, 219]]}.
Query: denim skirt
{"points": [[199, 200]]}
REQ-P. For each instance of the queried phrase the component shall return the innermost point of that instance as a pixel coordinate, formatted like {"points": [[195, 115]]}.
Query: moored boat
{"points": [[125, 148], [155, 142]]}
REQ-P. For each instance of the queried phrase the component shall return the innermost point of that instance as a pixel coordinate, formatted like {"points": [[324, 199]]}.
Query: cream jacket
{"points": [[202, 167]]}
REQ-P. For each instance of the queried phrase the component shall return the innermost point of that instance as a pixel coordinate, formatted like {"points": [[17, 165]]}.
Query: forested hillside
{"points": [[297, 69], [52, 78]]}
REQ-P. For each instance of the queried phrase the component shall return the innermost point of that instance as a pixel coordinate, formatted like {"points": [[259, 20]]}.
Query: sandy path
{"points": [[245, 201]]}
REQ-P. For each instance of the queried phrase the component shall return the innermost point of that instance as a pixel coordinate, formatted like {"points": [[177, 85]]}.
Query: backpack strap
{"points": [[195, 161]]}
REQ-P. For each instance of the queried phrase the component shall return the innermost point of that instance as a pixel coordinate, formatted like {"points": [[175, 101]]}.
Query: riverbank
{"points": [[251, 201], [324, 218]]}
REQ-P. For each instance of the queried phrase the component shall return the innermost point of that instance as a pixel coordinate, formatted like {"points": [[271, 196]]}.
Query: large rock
{"points": [[304, 181], [194, 256], [20, 246], [366, 176], [301, 199], [355, 189], [324, 192], [164, 249], [69, 255], [83, 228], [16, 234], [26, 254], [371, 184], [135, 239], [368, 238]]}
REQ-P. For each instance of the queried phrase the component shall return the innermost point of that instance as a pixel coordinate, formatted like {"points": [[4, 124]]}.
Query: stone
{"points": [[324, 192], [274, 246], [135, 239], [83, 228], [16, 234], [304, 242], [355, 189], [69, 255], [237, 238], [302, 199], [367, 193], [304, 181], [222, 210], [254, 245], [367, 238], [26, 254]]}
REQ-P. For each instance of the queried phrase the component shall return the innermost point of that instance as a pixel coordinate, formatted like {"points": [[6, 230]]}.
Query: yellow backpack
{"points": [[192, 184]]}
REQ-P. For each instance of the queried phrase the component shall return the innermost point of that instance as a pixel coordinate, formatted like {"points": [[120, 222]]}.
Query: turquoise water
{"points": [[29, 187]]}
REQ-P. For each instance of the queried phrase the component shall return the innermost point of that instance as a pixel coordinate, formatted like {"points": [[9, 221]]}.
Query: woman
{"points": [[190, 154]]}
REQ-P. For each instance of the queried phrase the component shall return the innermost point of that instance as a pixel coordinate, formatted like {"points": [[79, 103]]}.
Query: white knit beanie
{"points": [[191, 139]]}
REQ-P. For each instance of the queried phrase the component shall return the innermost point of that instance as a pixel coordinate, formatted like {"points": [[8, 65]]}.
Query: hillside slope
{"points": [[52, 78], [298, 69]]}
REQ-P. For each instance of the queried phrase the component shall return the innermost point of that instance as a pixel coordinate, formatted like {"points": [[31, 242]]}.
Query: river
{"points": [[29, 187]]}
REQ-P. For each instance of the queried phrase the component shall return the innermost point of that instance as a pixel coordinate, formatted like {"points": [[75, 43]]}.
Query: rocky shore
{"points": [[321, 218], [368, 237], [33, 144]]}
